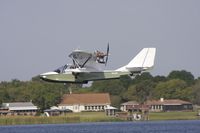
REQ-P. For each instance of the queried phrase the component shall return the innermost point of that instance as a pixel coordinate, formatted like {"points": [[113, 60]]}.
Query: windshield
{"points": [[61, 69]]}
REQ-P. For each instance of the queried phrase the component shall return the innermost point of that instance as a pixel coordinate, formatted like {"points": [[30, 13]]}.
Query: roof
{"points": [[141, 107], [20, 106], [91, 98], [159, 102], [168, 102], [57, 110]]}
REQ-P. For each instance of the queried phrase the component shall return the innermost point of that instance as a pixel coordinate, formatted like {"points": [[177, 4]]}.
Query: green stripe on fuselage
{"points": [[101, 75], [84, 76]]}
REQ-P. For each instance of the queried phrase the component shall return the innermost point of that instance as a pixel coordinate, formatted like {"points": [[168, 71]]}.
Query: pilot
{"points": [[57, 70]]}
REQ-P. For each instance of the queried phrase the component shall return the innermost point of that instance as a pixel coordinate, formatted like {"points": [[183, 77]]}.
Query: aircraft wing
{"points": [[81, 58]]}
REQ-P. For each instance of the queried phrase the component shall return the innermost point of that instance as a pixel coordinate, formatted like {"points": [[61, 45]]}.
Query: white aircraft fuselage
{"points": [[86, 67]]}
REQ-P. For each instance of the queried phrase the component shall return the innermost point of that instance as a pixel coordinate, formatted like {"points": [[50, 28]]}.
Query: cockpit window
{"points": [[61, 69]]}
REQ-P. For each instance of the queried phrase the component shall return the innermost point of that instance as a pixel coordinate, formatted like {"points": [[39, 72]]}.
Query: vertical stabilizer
{"points": [[144, 60]]}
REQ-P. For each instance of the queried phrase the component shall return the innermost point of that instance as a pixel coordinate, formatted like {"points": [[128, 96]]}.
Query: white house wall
{"points": [[80, 108], [66, 107], [123, 108]]}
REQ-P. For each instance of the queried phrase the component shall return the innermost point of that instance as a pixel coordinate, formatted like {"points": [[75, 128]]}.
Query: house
{"points": [[85, 102], [169, 105], [160, 105], [18, 108], [128, 105], [110, 111]]}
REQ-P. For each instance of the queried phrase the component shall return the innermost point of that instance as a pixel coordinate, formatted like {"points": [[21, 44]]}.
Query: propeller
{"points": [[107, 54], [101, 56]]}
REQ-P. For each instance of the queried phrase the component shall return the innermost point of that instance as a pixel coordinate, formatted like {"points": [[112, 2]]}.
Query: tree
{"points": [[130, 94], [159, 79], [170, 89], [196, 93], [115, 100], [143, 91], [140, 78], [183, 75], [16, 83], [125, 80], [113, 87], [4, 96], [139, 92]]}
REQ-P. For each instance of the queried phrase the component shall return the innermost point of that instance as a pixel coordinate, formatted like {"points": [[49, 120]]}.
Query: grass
{"points": [[93, 117], [173, 116], [90, 117], [19, 120], [68, 118]]}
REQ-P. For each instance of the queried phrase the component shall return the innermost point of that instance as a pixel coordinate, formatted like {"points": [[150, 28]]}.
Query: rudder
{"points": [[144, 60]]}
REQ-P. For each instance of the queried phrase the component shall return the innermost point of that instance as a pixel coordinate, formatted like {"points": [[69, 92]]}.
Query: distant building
{"points": [[18, 108], [128, 105], [85, 102], [160, 105], [110, 111], [169, 105]]}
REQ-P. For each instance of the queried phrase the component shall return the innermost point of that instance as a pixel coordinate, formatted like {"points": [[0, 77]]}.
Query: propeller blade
{"points": [[107, 54]]}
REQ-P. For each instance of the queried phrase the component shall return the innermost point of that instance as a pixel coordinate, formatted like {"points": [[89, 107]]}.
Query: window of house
{"points": [[185, 106]]}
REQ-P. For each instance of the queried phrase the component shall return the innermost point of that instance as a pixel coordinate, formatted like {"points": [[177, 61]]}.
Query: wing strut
{"points": [[86, 60], [75, 63]]}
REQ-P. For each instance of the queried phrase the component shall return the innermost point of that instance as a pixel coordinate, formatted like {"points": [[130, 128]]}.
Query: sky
{"points": [[36, 36]]}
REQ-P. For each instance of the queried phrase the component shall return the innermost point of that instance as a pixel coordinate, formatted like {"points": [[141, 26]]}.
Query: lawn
{"points": [[93, 117], [68, 118], [90, 117], [173, 116]]}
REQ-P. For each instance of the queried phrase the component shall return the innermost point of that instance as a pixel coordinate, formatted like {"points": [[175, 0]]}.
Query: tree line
{"points": [[177, 85]]}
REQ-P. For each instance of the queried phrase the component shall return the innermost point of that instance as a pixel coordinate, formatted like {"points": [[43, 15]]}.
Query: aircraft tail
{"points": [[144, 60]]}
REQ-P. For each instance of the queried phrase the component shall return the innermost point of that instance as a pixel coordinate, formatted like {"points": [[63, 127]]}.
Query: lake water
{"points": [[109, 127]]}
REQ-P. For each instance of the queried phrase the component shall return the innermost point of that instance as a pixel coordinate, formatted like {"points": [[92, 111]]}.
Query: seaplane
{"points": [[87, 66]]}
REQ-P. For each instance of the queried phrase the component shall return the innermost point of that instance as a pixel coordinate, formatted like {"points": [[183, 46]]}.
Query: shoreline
{"points": [[91, 117]]}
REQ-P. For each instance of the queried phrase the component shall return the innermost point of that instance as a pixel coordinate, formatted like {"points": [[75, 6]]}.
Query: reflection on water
{"points": [[109, 127]]}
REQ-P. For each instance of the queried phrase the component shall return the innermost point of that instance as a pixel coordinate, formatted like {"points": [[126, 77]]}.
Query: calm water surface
{"points": [[109, 127]]}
